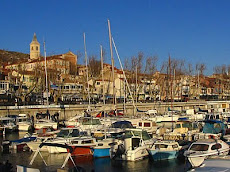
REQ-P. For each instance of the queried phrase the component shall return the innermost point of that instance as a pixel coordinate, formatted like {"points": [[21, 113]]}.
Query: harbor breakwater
{"points": [[67, 111]]}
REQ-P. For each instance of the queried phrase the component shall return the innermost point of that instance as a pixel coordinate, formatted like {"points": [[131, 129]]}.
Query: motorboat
{"points": [[170, 116], [213, 129], [8, 124], [133, 146], [24, 122], [72, 122], [83, 146], [115, 130], [90, 124], [46, 120], [67, 136], [41, 123], [42, 135], [202, 149], [164, 150]]}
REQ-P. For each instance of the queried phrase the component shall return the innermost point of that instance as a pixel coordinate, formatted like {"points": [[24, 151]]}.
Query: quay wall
{"points": [[67, 111]]}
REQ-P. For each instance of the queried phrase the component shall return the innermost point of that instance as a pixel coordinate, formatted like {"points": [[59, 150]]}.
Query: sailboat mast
{"points": [[112, 60], [170, 78], [102, 75], [171, 89], [47, 98], [87, 70]]}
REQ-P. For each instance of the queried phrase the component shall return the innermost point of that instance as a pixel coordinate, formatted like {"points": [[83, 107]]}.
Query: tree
{"points": [[94, 66]]}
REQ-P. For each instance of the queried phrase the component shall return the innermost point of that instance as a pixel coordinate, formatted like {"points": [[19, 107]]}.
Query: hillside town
{"points": [[23, 81]]}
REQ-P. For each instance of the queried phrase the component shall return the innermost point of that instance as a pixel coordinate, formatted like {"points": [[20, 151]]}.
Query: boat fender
{"points": [[211, 137]]}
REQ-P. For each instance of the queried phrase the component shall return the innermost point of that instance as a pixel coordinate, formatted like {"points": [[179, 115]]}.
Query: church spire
{"points": [[35, 38]]}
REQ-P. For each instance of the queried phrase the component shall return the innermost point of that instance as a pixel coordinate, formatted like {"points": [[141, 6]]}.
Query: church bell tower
{"points": [[34, 48]]}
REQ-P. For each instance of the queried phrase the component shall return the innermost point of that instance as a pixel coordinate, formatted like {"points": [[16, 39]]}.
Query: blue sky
{"points": [[194, 30]]}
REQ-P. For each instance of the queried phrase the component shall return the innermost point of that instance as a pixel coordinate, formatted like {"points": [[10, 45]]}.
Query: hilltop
{"points": [[12, 57]]}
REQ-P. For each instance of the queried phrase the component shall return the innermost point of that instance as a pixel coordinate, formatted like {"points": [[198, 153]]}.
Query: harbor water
{"points": [[55, 161]]}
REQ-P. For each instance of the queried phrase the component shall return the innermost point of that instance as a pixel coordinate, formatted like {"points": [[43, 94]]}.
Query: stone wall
{"points": [[68, 111]]}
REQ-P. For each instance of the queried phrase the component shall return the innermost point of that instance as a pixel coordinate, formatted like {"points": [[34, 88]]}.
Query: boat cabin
{"points": [[207, 145], [214, 127], [70, 132], [137, 133], [182, 127], [166, 145]]}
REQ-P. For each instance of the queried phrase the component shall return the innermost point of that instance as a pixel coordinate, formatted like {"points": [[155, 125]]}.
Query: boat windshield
{"points": [[23, 120], [75, 133], [187, 125], [67, 133], [91, 122], [63, 133], [143, 134], [178, 126], [199, 147]]}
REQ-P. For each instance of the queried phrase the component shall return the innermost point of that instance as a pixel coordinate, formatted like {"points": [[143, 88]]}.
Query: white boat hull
{"points": [[34, 146], [24, 127], [39, 126]]}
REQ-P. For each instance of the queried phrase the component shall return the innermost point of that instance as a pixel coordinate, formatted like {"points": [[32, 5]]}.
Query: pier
{"points": [[67, 111]]}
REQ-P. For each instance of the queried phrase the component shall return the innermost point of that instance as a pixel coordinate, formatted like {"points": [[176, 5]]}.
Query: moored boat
{"points": [[202, 149], [164, 150]]}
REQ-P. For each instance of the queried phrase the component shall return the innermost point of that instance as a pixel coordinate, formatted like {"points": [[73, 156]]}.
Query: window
{"points": [[87, 141], [37, 48], [161, 146], [32, 48], [216, 146], [199, 147], [174, 146], [147, 124], [75, 133], [140, 124], [98, 83]]}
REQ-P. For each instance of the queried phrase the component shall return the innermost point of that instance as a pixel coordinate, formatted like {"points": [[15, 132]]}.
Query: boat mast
{"points": [[103, 84], [112, 60], [87, 70], [102, 75], [47, 98]]}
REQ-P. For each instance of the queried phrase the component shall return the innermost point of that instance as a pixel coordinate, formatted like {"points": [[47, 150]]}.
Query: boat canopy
{"points": [[214, 127], [122, 124]]}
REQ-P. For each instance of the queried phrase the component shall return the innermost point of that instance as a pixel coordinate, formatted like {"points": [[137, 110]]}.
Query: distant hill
{"points": [[9, 57]]}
